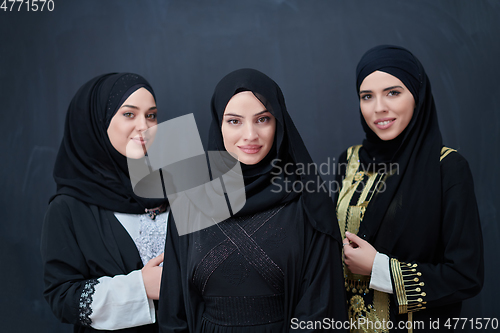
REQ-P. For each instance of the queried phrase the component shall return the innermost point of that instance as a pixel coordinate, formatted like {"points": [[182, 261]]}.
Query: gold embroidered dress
{"points": [[368, 307], [417, 206]]}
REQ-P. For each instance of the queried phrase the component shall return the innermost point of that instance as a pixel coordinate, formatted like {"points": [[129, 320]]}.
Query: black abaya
{"points": [[276, 262], [82, 240]]}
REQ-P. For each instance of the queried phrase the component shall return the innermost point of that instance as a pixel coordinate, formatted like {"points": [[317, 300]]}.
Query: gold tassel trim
{"points": [[409, 288]]}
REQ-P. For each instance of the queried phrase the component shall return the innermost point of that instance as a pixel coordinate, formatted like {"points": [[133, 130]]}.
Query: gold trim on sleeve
{"points": [[408, 287]]}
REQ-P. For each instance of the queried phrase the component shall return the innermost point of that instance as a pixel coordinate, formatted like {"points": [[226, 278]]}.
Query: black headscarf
{"points": [[262, 179], [88, 167], [413, 194]]}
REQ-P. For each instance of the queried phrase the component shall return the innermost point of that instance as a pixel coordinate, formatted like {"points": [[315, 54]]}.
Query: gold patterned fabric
{"points": [[358, 188]]}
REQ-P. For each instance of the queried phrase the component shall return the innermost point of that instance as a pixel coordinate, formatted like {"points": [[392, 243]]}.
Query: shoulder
{"points": [[454, 168], [64, 199], [452, 160], [64, 207], [66, 202]]}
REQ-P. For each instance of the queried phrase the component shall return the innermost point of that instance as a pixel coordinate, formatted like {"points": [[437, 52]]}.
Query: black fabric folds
{"points": [[95, 245], [424, 217], [416, 152], [82, 240], [277, 260], [88, 167], [263, 179]]}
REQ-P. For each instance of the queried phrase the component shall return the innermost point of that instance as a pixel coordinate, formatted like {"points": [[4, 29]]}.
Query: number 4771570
{"points": [[471, 323], [27, 5]]}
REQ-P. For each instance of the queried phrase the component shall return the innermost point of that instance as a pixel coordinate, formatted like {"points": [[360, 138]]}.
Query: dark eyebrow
{"points": [[261, 112], [388, 88], [135, 107], [129, 106], [232, 115], [237, 115]]}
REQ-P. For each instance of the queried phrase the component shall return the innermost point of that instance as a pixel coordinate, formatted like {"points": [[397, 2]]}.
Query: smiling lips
{"points": [[140, 140], [384, 123], [250, 149]]}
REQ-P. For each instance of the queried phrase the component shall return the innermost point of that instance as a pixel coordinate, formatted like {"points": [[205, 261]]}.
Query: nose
{"points": [[250, 132], [141, 124], [380, 105]]}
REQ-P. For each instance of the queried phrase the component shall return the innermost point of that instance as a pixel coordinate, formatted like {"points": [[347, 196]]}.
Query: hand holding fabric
{"points": [[358, 254], [151, 275]]}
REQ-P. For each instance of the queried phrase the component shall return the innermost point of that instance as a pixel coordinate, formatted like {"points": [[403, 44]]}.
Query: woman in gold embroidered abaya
{"points": [[407, 210]]}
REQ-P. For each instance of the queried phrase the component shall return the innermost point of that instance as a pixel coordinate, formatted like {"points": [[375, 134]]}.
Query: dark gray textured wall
{"points": [[183, 48]]}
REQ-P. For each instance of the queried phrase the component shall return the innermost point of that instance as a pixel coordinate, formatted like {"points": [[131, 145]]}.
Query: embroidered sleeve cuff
{"points": [[381, 274], [121, 302], [408, 286], [86, 299]]}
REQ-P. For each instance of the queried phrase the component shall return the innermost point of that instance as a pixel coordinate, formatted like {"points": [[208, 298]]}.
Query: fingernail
{"points": [[347, 233]]}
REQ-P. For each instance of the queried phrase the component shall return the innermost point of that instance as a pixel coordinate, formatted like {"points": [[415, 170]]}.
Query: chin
{"points": [[250, 161], [134, 154], [386, 136]]}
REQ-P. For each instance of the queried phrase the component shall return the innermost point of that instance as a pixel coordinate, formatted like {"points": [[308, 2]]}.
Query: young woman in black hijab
{"points": [[101, 251], [407, 210], [275, 264]]}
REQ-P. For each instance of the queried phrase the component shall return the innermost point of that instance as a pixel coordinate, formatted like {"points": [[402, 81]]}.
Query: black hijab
{"points": [[88, 167], [264, 178], [413, 194]]}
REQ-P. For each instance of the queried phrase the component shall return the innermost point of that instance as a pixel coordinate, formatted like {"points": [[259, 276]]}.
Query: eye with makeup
{"points": [[234, 121], [365, 96], [263, 119], [149, 116], [393, 93]]}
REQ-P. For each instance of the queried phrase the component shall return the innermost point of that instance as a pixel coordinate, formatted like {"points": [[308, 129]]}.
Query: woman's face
{"points": [[248, 128], [128, 129], [386, 104]]}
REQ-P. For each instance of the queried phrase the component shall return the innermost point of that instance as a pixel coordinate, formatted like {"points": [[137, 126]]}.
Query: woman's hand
{"points": [[358, 254], [151, 275]]}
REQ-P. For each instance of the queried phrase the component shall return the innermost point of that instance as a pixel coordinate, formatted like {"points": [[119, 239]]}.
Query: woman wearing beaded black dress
{"points": [[409, 198], [275, 264], [101, 252]]}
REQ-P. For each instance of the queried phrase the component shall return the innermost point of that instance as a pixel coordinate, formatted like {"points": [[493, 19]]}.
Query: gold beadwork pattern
{"points": [[356, 283], [409, 288], [364, 184]]}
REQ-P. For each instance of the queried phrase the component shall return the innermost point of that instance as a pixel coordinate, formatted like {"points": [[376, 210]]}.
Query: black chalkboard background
{"points": [[184, 47]]}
